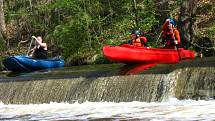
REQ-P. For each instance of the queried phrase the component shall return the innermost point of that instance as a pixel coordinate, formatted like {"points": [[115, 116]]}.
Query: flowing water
{"points": [[172, 109], [169, 108]]}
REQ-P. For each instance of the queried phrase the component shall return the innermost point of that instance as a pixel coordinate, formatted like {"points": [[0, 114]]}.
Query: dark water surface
{"points": [[104, 70], [66, 72]]}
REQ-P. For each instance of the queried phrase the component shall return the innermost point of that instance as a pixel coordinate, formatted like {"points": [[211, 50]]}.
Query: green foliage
{"points": [[102, 60], [82, 27], [147, 15], [211, 32], [71, 36], [79, 26]]}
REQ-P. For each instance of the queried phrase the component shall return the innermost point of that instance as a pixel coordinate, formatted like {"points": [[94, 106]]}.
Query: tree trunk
{"points": [[162, 9], [2, 26], [30, 3], [187, 18], [2, 19], [136, 13]]}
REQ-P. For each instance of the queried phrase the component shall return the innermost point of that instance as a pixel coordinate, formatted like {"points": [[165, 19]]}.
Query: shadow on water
{"points": [[104, 70], [88, 71], [168, 68], [156, 68], [135, 69]]}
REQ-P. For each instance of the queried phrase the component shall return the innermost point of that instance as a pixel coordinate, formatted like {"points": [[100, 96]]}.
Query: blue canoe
{"points": [[24, 63]]}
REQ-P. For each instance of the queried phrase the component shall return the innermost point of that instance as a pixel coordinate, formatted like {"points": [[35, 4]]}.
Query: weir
{"points": [[190, 80]]}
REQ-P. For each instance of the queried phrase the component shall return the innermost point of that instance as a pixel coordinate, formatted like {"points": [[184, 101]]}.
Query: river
{"points": [[170, 108]]}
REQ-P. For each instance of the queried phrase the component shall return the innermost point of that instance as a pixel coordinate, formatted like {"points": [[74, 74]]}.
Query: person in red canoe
{"points": [[137, 38], [170, 35]]}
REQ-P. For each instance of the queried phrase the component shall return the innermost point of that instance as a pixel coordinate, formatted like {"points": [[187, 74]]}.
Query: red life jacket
{"points": [[168, 36], [139, 42]]}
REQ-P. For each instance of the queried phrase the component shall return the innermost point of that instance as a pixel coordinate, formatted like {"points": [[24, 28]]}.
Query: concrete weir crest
{"points": [[183, 83]]}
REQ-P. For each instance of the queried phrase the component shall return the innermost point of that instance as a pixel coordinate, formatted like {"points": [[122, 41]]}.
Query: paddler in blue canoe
{"points": [[40, 49]]}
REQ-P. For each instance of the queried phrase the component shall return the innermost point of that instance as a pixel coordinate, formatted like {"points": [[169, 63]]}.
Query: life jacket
{"points": [[139, 42], [168, 37], [40, 53]]}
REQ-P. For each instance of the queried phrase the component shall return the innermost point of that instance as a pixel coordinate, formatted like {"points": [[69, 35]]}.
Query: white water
{"points": [[172, 109]]}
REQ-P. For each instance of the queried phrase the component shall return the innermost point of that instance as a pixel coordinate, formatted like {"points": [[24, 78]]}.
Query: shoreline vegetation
{"points": [[77, 30]]}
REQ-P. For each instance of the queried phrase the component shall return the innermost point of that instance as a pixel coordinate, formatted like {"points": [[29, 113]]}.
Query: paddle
{"points": [[29, 48], [159, 38]]}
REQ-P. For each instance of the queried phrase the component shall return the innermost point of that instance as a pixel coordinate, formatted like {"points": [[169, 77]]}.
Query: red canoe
{"points": [[130, 54]]}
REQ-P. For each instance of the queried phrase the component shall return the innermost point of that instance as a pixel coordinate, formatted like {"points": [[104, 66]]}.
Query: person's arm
{"points": [[44, 45], [143, 41], [40, 43], [31, 53], [177, 36]]}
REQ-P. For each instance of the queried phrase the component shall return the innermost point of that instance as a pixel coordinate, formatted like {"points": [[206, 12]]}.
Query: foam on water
{"points": [[172, 109]]}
